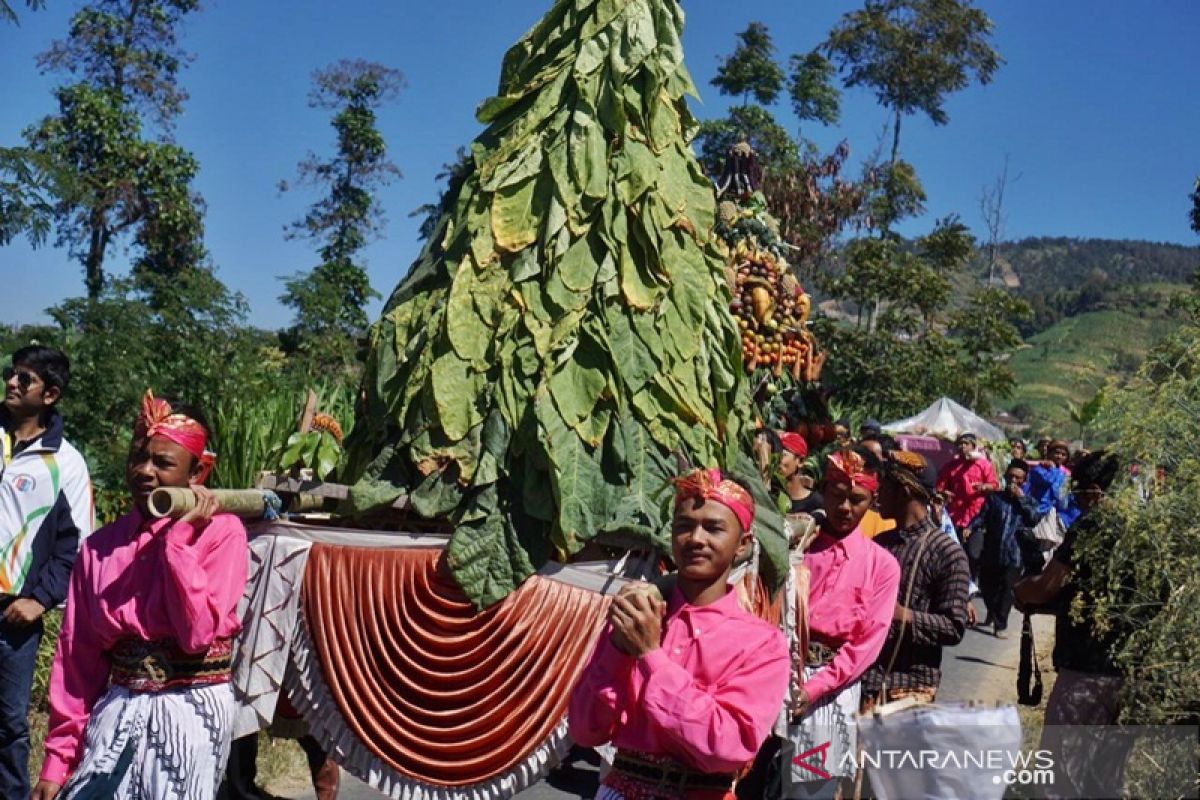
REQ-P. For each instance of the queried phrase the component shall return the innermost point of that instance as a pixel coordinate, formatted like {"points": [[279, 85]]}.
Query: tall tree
{"points": [[991, 207], [751, 70], [986, 334], [913, 53], [810, 86], [329, 299], [7, 13], [1195, 213], [126, 59]]}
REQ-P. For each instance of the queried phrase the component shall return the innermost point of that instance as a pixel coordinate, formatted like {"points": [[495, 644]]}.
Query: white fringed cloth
{"points": [[404, 683]]}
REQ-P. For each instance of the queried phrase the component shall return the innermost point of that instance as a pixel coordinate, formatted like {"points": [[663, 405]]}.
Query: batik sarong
{"points": [[169, 745]]}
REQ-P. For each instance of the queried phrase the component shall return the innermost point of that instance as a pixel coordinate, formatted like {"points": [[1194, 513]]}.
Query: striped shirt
{"points": [[938, 605]]}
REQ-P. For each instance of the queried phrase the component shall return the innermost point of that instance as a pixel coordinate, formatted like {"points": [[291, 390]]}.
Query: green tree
{"points": [[126, 58], [913, 53], [986, 334], [810, 86], [28, 188], [7, 13], [1195, 213], [329, 299], [777, 150], [751, 70], [1086, 413]]}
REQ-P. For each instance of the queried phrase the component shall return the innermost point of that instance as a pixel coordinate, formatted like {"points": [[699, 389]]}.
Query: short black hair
{"points": [[1020, 464], [50, 365]]}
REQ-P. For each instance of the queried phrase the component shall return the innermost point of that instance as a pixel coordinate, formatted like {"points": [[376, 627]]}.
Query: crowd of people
{"points": [[699, 697]]}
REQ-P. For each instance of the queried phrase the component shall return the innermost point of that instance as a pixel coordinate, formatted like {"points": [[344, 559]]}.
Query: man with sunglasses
{"points": [[45, 509]]}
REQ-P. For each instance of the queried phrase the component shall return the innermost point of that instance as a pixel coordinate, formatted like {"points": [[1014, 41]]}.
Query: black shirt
{"points": [[1076, 644], [809, 505]]}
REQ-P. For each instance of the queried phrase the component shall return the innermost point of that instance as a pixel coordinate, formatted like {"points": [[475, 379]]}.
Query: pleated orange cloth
{"points": [[442, 693]]}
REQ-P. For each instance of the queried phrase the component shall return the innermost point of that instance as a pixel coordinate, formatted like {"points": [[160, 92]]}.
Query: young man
{"points": [[1048, 479], [1003, 553], [687, 688], [853, 583], [1089, 760], [798, 486], [966, 478], [931, 610], [45, 508]]}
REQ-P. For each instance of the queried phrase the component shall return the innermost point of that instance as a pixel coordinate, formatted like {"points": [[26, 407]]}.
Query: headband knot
{"points": [[159, 419], [710, 484], [849, 466]]}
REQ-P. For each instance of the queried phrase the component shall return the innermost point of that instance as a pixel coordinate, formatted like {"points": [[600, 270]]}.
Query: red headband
{"points": [[709, 484], [850, 467], [794, 443], [158, 419]]}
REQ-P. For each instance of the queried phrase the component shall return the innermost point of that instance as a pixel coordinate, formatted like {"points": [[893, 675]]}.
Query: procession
{"points": [[678, 452]]}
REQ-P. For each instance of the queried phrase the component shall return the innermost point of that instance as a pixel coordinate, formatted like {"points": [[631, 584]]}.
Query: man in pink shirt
{"points": [[140, 701], [686, 689], [967, 478]]}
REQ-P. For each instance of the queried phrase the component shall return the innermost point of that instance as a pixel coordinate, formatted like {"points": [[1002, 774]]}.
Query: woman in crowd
{"points": [[140, 701]]}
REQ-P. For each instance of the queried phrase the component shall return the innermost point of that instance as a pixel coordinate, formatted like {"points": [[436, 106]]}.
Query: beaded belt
{"points": [[662, 773], [142, 666]]}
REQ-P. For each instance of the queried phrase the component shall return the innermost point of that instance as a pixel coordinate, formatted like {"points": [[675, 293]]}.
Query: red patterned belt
{"points": [[154, 666]]}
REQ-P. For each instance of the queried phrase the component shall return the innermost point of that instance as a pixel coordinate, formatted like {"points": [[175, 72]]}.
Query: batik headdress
{"points": [[711, 484], [159, 419], [850, 467]]}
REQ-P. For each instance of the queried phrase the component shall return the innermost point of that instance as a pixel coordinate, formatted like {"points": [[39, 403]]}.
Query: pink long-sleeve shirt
{"points": [[135, 579], [960, 477], [853, 584], [707, 697]]}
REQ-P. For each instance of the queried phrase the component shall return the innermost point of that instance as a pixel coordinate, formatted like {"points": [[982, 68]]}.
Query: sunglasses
{"points": [[24, 379]]}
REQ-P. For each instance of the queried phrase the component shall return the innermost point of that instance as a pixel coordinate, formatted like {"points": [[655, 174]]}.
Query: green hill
{"points": [[1077, 355]]}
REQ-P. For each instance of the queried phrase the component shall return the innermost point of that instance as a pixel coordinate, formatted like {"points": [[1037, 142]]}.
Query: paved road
{"points": [[981, 668]]}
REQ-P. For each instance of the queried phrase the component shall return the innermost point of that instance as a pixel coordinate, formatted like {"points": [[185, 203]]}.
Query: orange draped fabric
{"points": [[440, 692]]}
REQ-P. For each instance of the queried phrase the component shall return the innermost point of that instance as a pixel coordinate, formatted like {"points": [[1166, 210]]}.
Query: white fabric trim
{"points": [[347, 536], [307, 691]]}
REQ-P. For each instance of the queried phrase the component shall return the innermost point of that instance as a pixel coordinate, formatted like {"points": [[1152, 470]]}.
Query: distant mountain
{"points": [[1063, 277]]}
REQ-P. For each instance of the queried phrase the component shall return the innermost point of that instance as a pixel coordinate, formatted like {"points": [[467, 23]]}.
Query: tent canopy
{"points": [[949, 419]]}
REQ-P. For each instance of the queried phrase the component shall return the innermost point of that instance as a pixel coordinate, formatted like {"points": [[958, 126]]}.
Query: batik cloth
{"points": [[169, 745]]}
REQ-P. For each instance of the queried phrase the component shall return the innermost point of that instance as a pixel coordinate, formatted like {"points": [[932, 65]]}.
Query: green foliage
{"points": [[777, 151], [7, 14], [1194, 216], [810, 85], [751, 70], [1146, 556], [315, 450], [329, 299], [986, 334], [126, 59], [1085, 413], [28, 186], [566, 327], [913, 53]]}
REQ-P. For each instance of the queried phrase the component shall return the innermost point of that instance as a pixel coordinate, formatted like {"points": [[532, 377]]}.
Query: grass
{"points": [[1075, 357]]}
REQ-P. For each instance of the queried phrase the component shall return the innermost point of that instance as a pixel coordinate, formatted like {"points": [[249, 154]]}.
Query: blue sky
{"points": [[1097, 108]]}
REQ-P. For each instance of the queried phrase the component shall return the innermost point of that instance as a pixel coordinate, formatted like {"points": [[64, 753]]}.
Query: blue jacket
{"points": [[1002, 519], [1048, 487]]}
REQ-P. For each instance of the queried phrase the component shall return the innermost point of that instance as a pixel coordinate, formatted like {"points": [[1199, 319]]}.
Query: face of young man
{"points": [[1059, 455], [964, 447], [845, 506], [892, 500], [789, 464], [153, 463], [1014, 479], [25, 393], [1018, 450], [706, 539]]}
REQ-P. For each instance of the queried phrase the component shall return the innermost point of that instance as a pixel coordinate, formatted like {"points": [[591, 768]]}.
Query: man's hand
{"points": [[901, 614], [637, 623], [206, 507], [24, 611], [45, 790], [1015, 492], [800, 706]]}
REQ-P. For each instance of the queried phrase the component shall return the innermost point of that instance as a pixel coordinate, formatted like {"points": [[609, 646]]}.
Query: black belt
{"points": [[670, 774]]}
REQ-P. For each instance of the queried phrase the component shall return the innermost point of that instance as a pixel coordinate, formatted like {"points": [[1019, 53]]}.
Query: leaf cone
{"points": [[566, 327]]}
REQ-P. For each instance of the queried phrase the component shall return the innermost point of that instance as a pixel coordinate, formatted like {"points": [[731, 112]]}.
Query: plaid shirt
{"points": [[938, 605]]}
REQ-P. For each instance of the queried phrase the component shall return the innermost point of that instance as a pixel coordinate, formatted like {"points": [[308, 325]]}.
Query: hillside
{"points": [[1075, 356], [1063, 277]]}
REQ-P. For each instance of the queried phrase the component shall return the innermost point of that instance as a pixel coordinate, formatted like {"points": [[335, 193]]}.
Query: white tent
{"points": [[947, 418]]}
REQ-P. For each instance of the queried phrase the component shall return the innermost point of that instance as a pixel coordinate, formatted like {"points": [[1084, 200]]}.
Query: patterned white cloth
{"points": [[169, 745], [826, 739]]}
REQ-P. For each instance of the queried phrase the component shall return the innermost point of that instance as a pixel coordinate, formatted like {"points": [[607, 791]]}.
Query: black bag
{"points": [[1029, 675]]}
